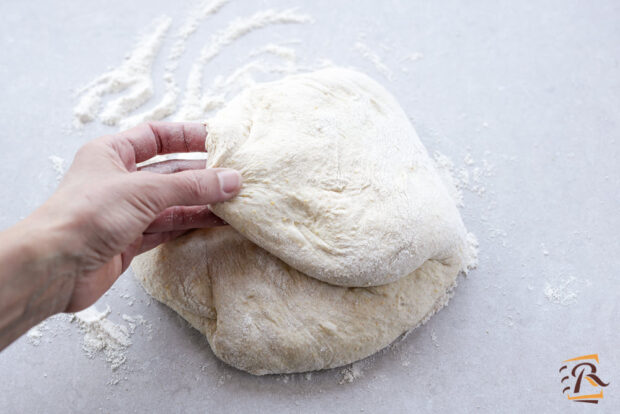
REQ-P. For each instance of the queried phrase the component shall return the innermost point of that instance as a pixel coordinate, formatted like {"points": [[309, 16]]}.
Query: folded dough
{"points": [[262, 316], [335, 180], [342, 238]]}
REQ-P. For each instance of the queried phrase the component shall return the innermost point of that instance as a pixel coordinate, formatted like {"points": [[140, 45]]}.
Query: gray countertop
{"points": [[522, 96]]}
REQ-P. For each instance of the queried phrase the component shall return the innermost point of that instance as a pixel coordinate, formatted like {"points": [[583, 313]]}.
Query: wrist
{"points": [[37, 275]]}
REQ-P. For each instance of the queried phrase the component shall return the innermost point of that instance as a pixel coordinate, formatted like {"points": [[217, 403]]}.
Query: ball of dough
{"points": [[262, 316], [344, 235], [335, 180]]}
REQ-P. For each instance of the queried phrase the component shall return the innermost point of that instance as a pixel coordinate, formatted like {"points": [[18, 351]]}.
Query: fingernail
{"points": [[230, 180]]}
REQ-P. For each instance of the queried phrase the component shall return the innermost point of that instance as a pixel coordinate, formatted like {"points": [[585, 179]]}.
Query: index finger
{"points": [[155, 138]]}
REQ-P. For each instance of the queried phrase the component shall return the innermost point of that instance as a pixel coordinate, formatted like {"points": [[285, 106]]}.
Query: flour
{"points": [[139, 321], [134, 80], [58, 165], [351, 373], [225, 87], [35, 334], [561, 291], [168, 103], [194, 104], [412, 57], [104, 336], [133, 77], [215, 97], [284, 52], [195, 17], [470, 177], [445, 168], [134, 74], [472, 256], [373, 58]]}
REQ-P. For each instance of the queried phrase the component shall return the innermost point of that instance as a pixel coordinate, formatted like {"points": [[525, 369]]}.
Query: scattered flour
{"points": [[194, 104], [284, 52], [373, 58], [168, 103], [472, 243], [445, 168], [561, 291], [58, 165], [133, 78], [194, 19], [138, 320], [412, 57], [351, 373], [470, 177], [35, 334], [103, 335], [434, 338], [51, 327], [134, 74], [223, 88]]}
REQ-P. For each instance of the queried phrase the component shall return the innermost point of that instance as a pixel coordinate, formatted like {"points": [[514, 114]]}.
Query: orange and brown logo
{"points": [[580, 380]]}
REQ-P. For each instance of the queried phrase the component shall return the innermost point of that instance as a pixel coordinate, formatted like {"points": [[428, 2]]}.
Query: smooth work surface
{"points": [[524, 97]]}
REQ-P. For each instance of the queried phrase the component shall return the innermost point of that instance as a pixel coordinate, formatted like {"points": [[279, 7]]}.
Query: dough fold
{"points": [[342, 238], [262, 316], [336, 182]]}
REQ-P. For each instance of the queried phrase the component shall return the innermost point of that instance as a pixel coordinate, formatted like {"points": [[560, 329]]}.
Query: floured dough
{"points": [[342, 238], [262, 316], [335, 180]]}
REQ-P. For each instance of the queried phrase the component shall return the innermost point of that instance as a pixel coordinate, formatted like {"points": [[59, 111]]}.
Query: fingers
{"points": [[189, 188], [130, 252], [173, 166], [184, 218], [152, 240], [153, 138]]}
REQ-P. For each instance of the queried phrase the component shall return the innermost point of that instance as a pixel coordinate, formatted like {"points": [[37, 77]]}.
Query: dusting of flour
{"points": [[58, 165], [351, 373], [168, 103], [194, 104], [561, 291], [102, 336], [374, 58], [133, 75], [133, 78], [117, 98]]}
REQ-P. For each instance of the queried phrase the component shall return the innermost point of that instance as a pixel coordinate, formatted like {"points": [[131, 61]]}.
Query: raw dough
{"points": [[336, 181], [262, 316], [338, 190]]}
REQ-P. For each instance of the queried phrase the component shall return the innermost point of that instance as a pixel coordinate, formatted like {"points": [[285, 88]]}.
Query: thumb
{"points": [[195, 187]]}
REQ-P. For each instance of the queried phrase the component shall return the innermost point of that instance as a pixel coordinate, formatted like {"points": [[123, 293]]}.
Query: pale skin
{"points": [[70, 251]]}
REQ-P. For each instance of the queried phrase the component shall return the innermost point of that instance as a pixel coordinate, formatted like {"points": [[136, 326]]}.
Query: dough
{"points": [[262, 316], [342, 238], [336, 181]]}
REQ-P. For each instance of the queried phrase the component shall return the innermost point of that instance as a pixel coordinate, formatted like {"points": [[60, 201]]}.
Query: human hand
{"points": [[105, 211]]}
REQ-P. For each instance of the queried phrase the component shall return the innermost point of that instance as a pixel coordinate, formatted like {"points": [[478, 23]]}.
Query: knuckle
{"points": [[197, 188], [149, 195], [92, 146]]}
